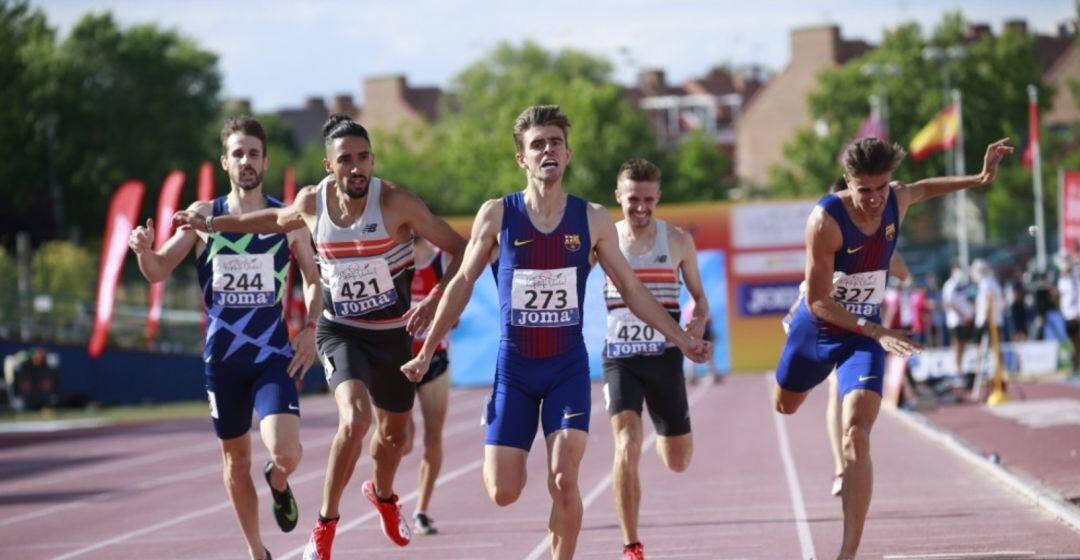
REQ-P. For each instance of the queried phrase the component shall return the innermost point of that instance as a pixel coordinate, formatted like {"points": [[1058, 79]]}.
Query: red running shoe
{"points": [[322, 539], [634, 551], [394, 525]]}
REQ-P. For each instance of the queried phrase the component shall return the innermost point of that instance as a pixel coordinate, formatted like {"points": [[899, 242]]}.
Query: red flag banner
{"points": [[937, 135], [123, 212], [167, 204], [1033, 134], [1070, 211], [289, 192], [205, 188]]}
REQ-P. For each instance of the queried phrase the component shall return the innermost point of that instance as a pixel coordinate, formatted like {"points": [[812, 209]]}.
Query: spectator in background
{"points": [[1068, 287], [1016, 319], [921, 313], [33, 379], [1042, 293], [959, 313], [988, 291]]}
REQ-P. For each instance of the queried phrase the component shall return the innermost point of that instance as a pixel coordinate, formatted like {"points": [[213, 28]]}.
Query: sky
{"points": [[277, 53]]}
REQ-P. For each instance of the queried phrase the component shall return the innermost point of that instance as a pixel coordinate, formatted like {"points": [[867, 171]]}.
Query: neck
{"points": [[545, 197], [349, 205], [247, 200]]}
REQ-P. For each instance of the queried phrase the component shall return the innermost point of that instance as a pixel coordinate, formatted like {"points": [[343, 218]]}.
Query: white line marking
{"points": [[806, 542], [950, 555], [605, 482]]}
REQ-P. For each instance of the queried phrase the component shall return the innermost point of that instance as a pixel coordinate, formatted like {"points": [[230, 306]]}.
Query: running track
{"points": [[757, 488]]}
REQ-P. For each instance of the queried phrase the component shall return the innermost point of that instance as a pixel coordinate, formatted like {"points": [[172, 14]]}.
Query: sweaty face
{"points": [[869, 193], [546, 153], [638, 200], [351, 162], [244, 160]]}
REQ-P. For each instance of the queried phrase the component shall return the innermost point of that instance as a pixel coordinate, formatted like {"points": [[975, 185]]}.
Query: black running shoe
{"points": [[424, 525], [267, 551], [285, 512]]}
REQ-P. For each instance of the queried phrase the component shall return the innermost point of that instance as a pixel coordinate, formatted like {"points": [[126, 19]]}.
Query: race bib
{"points": [[544, 298], [359, 286], [861, 293], [243, 281], [629, 336]]}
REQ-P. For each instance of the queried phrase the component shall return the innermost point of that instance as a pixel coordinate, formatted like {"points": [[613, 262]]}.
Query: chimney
{"points": [[652, 82], [314, 103], [343, 104], [238, 106], [1017, 26], [978, 31], [815, 45]]}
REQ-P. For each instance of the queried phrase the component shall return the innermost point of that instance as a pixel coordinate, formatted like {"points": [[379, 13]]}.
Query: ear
{"points": [[569, 153], [326, 165], [224, 162], [520, 159]]}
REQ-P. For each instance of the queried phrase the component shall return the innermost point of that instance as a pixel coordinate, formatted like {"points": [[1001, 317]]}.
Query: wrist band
{"points": [[860, 326], [210, 224], [310, 325]]}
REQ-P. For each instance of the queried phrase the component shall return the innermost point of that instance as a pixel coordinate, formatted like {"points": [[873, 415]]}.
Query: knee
{"points": [[237, 464], [503, 495], [627, 450], [433, 441], [393, 436], [288, 461], [785, 407], [857, 443], [677, 461], [355, 425], [563, 487]]}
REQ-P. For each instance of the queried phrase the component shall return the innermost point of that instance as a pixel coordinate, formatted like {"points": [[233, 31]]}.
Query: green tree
{"points": [[697, 171], [468, 156], [59, 269], [992, 76]]}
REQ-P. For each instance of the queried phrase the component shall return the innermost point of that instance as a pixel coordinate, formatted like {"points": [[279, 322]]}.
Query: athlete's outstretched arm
{"points": [[429, 226], [683, 242], [637, 297], [268, 220], [303, 344], [156, 266], [897, 267], [823, 239], [939, 186], [484, 239]]}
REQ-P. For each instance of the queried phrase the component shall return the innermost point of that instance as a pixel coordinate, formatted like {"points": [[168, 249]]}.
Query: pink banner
{"points": [[205, 189], [123, 211], [167, 205], [1070, 211]]}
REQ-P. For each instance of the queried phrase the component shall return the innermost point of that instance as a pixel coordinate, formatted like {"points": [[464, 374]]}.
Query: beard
{"points": [[254, 179], [355, 192]]}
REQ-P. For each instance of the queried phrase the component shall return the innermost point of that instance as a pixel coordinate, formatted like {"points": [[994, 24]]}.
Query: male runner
{"points": [[248, 356], [366, 267], [542, 243], [639, 364], [850, 238]]}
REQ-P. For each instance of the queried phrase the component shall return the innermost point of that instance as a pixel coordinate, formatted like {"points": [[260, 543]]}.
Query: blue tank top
{"points": [[243, 279], [861, 265], [541, 279]]}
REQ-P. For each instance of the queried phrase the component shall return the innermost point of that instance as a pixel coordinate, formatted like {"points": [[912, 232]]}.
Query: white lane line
{"points": [[952, 555], [263, 492], [443, 479], [806, 542], [605, 482]]}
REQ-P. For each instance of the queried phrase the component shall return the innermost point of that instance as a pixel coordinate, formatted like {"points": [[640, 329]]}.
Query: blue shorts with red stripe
{"points": [[556, 392], [811, 352]]}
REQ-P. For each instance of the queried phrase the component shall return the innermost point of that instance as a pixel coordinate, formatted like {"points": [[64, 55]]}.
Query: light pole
{"points": [[881, 71], [944, 56]]}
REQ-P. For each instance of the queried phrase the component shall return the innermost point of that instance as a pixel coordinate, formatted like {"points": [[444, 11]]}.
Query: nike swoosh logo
{"points": [[567, 416], [519, 243], [266, 235], [292, 514], [866, 378], [293, 407], [855, 250]]}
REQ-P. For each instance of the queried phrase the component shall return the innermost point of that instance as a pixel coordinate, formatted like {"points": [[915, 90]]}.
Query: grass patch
{"points": [[136, 413]]}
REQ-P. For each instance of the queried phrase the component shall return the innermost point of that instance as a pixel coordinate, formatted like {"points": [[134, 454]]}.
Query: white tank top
{"points": [[365, 275], [657, 270]]}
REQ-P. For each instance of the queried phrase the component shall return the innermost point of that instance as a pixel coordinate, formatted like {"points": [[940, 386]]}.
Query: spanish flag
{"points": [[938, 134]]}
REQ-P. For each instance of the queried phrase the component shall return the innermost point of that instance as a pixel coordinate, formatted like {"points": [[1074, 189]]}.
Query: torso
{"points": [[365, 273], [428, 273]]}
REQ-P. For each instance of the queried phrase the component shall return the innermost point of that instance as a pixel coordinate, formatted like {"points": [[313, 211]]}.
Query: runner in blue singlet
{"points": [[541, 243], [850, 237]]}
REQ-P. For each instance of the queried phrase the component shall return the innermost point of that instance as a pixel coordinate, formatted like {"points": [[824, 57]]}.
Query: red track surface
{"points": [[155, 491]]}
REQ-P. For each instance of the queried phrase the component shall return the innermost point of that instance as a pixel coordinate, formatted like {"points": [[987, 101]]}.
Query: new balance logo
{"points": [[370, 228], [661, 259]]}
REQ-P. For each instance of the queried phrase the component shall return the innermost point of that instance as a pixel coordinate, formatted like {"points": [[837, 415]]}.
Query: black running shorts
{"points": [[656, 381], [372, 357]]}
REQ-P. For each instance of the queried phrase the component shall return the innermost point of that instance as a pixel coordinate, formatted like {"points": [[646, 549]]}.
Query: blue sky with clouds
{"points": [[278, 52]]}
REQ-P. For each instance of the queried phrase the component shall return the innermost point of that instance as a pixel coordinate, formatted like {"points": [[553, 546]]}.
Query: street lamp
{"points": [[880, 71]]}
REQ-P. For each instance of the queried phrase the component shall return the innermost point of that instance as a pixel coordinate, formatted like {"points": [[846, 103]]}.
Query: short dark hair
{"points": [[872, 156], [340, 125], [638, 169], [243, 124], [838, 185], [539, 115]]}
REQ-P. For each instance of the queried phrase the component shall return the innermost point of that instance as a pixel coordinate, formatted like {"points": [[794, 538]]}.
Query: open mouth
{"points": [[549, 164]]}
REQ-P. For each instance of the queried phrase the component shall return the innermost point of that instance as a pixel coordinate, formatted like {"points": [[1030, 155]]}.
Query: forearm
{"points": [[646, 308], [153, 266], [451, 306], [313, 299], [701, 307], [269, 220], [940, 186], [833, 313]]}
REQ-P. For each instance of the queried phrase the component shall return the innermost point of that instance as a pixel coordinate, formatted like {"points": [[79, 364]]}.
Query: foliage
{"points": [[59, 269]]}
